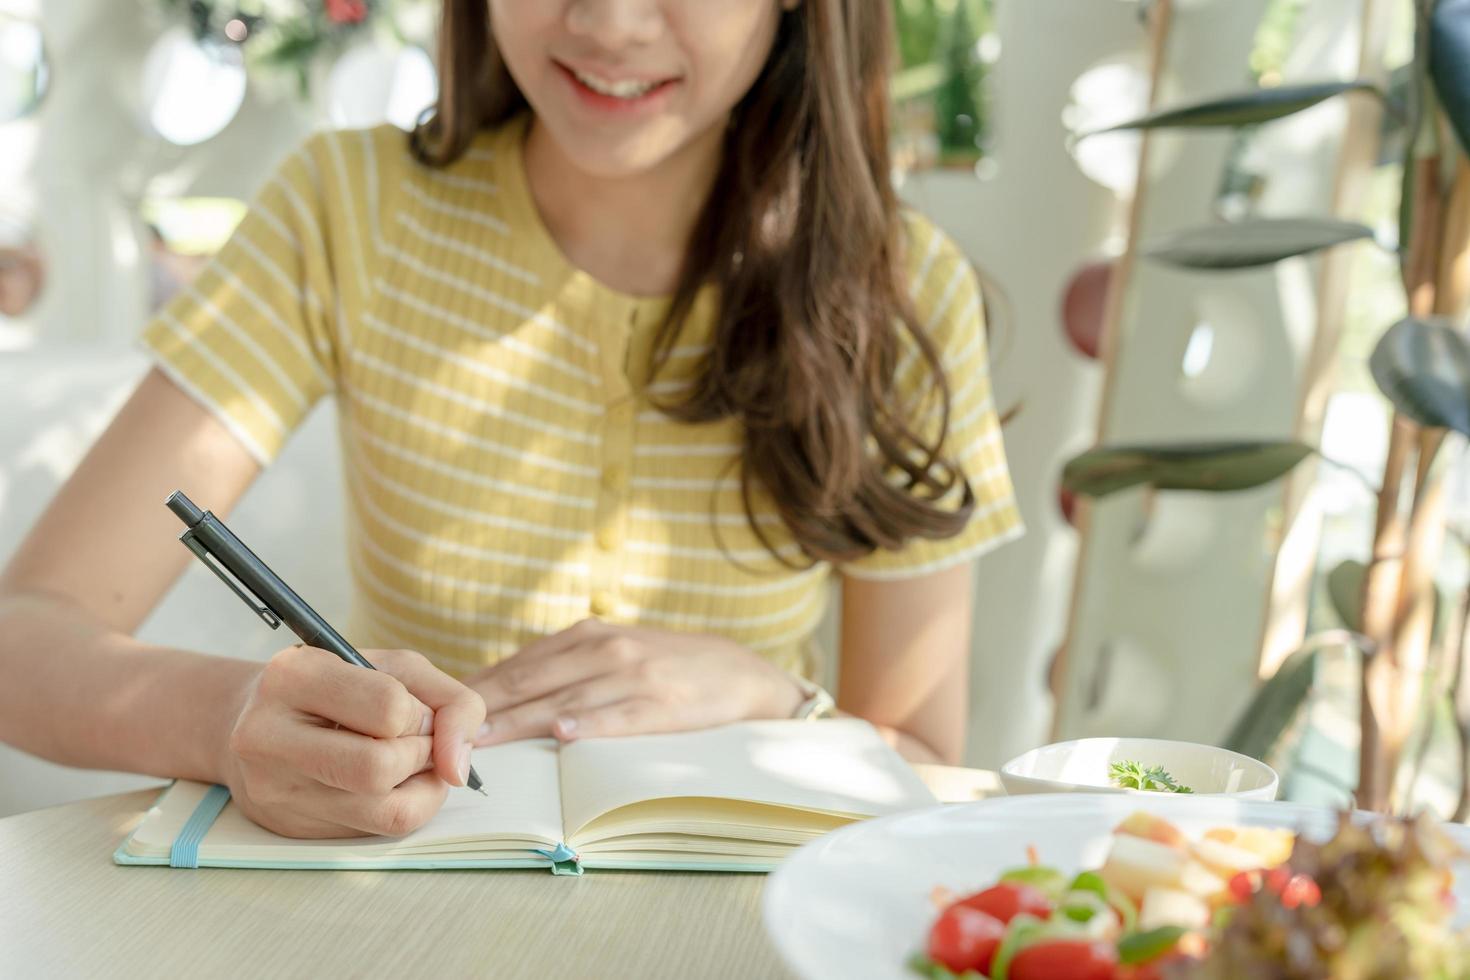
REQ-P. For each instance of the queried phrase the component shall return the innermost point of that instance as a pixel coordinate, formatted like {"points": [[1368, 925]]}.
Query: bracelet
{"points": [[817, 703]]}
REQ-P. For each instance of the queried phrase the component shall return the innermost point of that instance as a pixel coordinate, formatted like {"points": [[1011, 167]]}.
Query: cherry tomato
{"points": [[1277, 878], [1009, 899], [1243, 885], [1301, 890], [964, 938], [1066, 959]]}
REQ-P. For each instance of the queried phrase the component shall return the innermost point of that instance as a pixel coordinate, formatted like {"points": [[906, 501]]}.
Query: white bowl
{"points": [[1081, 766]]}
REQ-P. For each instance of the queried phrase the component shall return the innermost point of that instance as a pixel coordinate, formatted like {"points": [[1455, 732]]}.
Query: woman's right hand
{"points": [[323, 748]]}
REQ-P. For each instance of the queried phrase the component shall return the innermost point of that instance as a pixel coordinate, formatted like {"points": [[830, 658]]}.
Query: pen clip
{"points": [[203, 553]]}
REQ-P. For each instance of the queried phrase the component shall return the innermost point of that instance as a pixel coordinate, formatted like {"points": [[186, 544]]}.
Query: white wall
{"points": [[1030, 226]]}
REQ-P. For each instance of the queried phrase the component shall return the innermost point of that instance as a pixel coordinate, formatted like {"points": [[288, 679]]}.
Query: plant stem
{"points": [[1444, 672], [1382, 687], [1380, 590]]}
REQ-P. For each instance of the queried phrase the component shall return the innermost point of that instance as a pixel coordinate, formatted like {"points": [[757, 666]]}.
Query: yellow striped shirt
{"points": [[506, 472]]}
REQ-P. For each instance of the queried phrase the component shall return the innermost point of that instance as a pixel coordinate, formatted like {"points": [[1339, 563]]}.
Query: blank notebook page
{"points": [[841, 766]]}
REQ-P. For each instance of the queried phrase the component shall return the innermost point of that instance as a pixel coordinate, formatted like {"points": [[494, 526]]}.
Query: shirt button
{"points": [[615, 477], [609, 538], [604, 603]]}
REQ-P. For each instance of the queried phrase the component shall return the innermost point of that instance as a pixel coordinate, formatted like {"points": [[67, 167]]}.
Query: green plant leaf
{"points": [[1345, 585], [1449, 63], [1209, 466], [1345, 590], [1275, 706], [1247, 244], [1423, 366], [1243, 108]]}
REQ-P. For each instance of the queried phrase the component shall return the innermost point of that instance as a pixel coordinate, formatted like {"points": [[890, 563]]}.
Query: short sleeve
{"points": [[946, 299], [251, 337]]}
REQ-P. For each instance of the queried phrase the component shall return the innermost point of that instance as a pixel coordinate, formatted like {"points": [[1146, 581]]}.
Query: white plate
{"points": [[855, 903]]}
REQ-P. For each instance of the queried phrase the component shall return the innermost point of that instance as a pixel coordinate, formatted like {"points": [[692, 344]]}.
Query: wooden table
{"points": [[67, 911]]}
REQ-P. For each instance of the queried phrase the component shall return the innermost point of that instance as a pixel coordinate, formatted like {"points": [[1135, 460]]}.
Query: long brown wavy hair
{"points": [[802, 237]]}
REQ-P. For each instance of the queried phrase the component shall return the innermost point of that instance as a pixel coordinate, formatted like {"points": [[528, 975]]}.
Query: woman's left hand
{"points": [[596, 678]]}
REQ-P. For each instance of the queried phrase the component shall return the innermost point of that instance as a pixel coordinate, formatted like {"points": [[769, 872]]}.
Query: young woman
{"points": [[633, 353]]}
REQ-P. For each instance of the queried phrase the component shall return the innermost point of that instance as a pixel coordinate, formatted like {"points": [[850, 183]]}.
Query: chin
{"points": [[610, 154]]}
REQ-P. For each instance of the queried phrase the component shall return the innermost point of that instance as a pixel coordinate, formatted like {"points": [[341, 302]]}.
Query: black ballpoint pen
{"points": [[272, 599]]}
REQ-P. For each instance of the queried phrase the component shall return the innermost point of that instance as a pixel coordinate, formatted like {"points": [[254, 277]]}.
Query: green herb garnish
{"points": [[1155, 779]]}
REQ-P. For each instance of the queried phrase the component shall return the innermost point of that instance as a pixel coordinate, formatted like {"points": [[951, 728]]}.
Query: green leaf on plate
{"points": [[1252, 243], [1144, 946], [1423, 367], [1209, 466], [1243, 108]]}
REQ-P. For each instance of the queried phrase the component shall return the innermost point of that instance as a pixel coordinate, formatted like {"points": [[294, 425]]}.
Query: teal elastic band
{"points": [[185, 851]]}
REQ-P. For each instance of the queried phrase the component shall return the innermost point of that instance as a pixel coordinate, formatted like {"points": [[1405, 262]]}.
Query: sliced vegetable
{"points": [[1023, 931], [1082, 906], [1172, 907], [965, 938], [1091, 881], [1049, 881], [1065, 959], [1009, 899]]}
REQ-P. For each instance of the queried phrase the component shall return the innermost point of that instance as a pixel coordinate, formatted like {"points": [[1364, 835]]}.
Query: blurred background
{"points": [[1199, 296]]}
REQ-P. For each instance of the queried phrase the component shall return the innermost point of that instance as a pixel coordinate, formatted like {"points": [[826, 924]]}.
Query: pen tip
{"points": [[482, 792]]}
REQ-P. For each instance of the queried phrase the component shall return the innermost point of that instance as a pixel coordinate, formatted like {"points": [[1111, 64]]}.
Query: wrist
{"points": [[787, 695], [231, 698]]}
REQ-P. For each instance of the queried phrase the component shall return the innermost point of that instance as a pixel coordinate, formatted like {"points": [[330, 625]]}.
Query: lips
{"points": [[609, 88]]}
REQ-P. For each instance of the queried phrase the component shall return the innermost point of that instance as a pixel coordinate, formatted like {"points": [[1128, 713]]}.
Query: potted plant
{"points": [[1422, 365]]}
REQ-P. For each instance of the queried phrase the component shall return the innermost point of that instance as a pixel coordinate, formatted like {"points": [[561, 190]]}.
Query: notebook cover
{"points": [[532, 860]]}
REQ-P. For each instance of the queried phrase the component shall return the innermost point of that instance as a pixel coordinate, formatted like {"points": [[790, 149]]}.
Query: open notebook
{"points": [[736, 798]]}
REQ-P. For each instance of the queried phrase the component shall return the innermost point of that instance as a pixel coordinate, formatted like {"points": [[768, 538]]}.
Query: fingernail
{"points": [[566, 727], [464, 763], [426, 727], [483, 732]]}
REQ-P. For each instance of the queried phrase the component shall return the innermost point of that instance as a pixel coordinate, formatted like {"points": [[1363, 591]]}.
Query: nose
{"points": [[616, 24]]}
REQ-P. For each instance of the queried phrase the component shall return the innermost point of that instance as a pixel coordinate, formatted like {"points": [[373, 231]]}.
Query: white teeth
{"points": [[627, 89]]}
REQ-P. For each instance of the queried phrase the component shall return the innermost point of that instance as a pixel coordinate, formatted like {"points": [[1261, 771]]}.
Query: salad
{"points": [[1372, 902], [1134, 775]]}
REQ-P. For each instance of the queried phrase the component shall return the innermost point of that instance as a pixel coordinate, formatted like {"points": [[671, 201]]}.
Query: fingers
{"points": [[393, 814], [458, 710], [348, 761], [372, 702], [634, 716], [533, 719], [517, 681]]}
